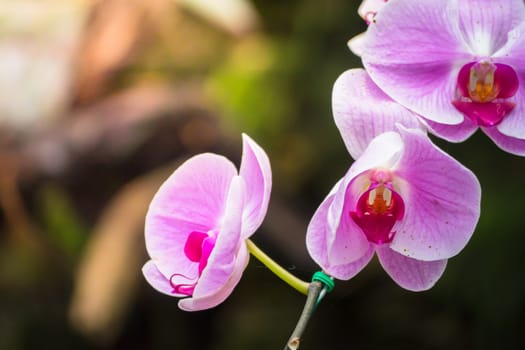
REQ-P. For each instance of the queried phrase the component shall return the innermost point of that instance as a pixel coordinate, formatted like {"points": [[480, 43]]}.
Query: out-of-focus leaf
{"points": [[109, 272], [61, 221], [251, 89], [21, 266]]}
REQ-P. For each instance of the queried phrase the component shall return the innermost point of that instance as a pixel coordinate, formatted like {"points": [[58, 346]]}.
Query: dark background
{"points": [[150, 83]]}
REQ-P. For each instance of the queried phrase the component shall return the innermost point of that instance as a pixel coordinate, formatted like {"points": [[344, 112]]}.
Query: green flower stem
{"points": [[294, 282]]}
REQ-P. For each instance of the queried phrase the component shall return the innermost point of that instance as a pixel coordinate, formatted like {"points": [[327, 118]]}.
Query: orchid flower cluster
{"points": [[441, 67]]}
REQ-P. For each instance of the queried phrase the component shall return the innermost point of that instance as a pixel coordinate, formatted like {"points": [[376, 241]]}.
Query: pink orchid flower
{"points": [[403, 198], [367, 10], [459, 64], [197, 224]]}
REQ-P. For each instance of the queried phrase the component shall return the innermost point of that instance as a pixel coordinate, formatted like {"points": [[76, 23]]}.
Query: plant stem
{"points": [[294, 282], [314, 290]]}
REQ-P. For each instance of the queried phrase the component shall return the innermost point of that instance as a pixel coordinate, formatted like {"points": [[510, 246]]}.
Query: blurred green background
{"points": [[99, 102]]}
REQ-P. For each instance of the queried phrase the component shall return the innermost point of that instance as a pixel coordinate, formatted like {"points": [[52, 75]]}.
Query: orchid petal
{"points": [[332, 238], [346, 241], [512, 128], [442, 201], [486, 23], [316, 242], [257, 174], [382, 152], [157, 280], [411, 52], [370, 8], [506, 143], [362, 111], [411, 274], [513, 125], [317, 232], [192, 199], [452, 133], [356, 44], [513, 52], [348, 271], [221, 261]]}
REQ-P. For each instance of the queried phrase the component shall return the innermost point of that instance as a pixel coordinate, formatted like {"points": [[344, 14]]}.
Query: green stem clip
{"points": [[327, 282]]}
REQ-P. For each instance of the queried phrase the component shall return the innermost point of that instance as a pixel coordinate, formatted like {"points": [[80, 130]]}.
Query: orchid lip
{"points": [[198, 248], [378, 209], [183, 288], [483, 90]]}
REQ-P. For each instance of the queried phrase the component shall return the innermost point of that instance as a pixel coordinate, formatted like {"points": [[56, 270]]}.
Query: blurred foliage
{"points": [[142, 85], [61, 221]]}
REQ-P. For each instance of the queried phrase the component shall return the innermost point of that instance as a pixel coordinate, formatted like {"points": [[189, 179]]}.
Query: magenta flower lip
{"points": [[197, 224], [457, 64], [377, 210], [484, 89]]}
